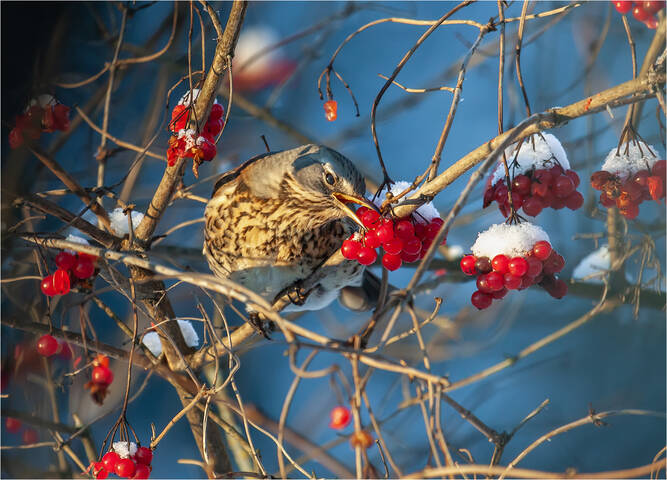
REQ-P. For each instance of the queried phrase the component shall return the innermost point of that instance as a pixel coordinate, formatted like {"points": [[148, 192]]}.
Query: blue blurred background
{"points": [[613, 362]]}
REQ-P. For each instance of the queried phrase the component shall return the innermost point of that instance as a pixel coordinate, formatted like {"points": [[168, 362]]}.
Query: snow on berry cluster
{"points": [[126, 460], [44, 114], [72, 268], [512, 257], [642, 11], [100, 379], [540, 177], [403, 240], [200, 146], [630, 174]]}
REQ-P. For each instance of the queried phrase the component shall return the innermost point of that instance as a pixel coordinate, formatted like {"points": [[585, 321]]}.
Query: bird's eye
{"points": [[330, 179]]}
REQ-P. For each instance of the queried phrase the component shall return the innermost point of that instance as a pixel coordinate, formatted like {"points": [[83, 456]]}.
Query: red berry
{"points": [[47, 286], [361, 439], [518, 266], [369, 218], [499, 263], [653, 6], [331, 110], [501, 194], [142, 471], [600, 179], [623, 6], [350, 249], [630, 212], [65, 260], [143, 456], [15, 137], [481, 300], [656, 188], [366, 255], [483, 265], [574, 201], [84, 268], [125, 468], [99, 471], [574, 177], [420, 230], [498, 294], [521, 184], [556, 171], [102, 375], [468, 265], [412, 246], [659, 169], [517, 200], [432, 230], [361, 210], [533, 206], [391, 262], [48, 120], [553, 264], [340, 417], [405, 229], [409, 257], [542, 250], [61, 281], [394, 246], [534, 267], [539, 189], [543, 176], [30, 436], [511, 282], [217, 112], [212, 128], [489, 196], [606, 200], [563, 186], [371, 239], [639, 13], [640, 178], [385, 232], [109, 460], [61, 117], [483, 283], [554, 286], [13, 425], [558, 203], [494, 280], [47, 345]]}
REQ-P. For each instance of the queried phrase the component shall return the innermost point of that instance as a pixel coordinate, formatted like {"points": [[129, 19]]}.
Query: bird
{"points": [[273, 220]]}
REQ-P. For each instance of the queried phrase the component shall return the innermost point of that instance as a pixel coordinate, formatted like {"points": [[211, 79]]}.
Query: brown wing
{"points": [[235, 172]]}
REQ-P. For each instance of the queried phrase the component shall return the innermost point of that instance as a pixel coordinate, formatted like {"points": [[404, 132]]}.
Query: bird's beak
{"points": [[343, 199]]}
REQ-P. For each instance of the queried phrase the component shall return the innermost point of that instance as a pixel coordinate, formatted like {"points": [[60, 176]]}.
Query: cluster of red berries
{"points": [[403, 240], [536, 190], [184, 144], [71, 268], [38, 119], [628, 194], [331, 110], [497, 276], [100, 379], [642, 11], [14, 425], [136, 466]]}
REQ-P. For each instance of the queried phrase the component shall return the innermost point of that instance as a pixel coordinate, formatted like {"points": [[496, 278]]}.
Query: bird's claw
{"points": [[263, 328]]}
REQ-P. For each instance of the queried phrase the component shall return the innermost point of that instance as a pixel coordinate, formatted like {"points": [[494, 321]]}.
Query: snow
{"points": [[121, 448], [152, 339], [119, 221], [43, 101], [425, 213], [547, 153], [186, 98], [190, 136], [76, 239], [593, 266], [637, 158], [510, 240], [251, 42]]}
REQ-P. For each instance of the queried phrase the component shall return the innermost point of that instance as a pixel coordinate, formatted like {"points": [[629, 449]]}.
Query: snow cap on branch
{"points": [[639, 156], [152, 340], [187, 99], [510, 240], [119, 221], [593, 265], [547, 152], [424, 213]]}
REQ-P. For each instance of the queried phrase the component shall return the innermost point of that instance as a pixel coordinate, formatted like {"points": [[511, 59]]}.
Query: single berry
{"points": [[393, 246], [361, 439], [405, 229], [511, 282], [483, 283], [15, 137], [656, 187], [83, 269], [498, 294], [61, 281], [142, 471], [501, 194], [432, 230], [385, 232], [483, 265], [600, 179], [518, 266], [412, 246], [553, 264], [521, 184], [639, 13], [47, 286], [65, 260], [494, 280], [534, 267], [369, 218], [409, 257], [99, 471], [499, 263], [340, 417], [331, 110], [630, 212], [366, 255], [623, 6], [542, 250], [533, 206], [30, 436], [606, 200], [13, 425], [563, 186], [659, 169], [391, 262], [102, 375], [640, 178], [574, 201], [350, 249], [61, 117], [109, 460], [371, 239], [125, 468], [481, 300], [468, 265], [47, 345], [217, 112], [144, 456]]}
